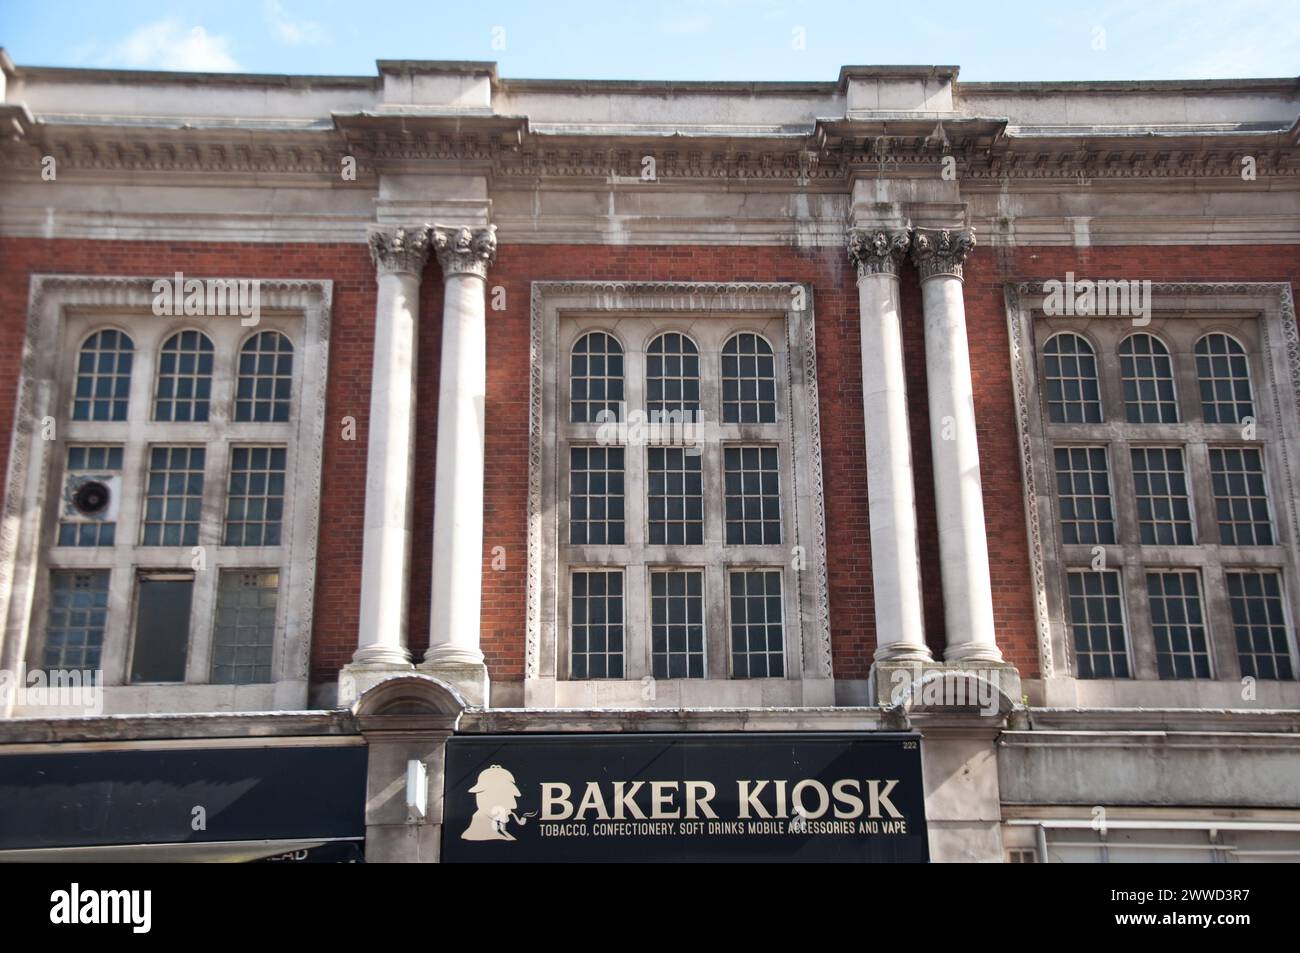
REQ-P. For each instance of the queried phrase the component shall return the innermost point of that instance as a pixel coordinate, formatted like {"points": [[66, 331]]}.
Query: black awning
{"points": [[278, 792]]}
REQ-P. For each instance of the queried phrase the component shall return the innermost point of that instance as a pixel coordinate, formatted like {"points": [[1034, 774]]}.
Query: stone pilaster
{"points": [[400, 255], [465, 255], [939, 255], [877, 254]]}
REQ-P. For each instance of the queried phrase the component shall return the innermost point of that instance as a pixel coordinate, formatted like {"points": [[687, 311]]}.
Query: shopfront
{"points": [[684, 797], [183, 800]]}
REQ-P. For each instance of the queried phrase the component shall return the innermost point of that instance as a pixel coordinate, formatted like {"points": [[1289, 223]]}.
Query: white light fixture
{"points": [[417, 791]]}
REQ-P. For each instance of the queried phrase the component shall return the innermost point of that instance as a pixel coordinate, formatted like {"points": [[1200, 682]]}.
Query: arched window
{"points": [[1224, 373], [265, 379], [184, 378], [595, 377], [1070, 373], [1147, 373], [672, 375], [103, 387], [748, 380]]}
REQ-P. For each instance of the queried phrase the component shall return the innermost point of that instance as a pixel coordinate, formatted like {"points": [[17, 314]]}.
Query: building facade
{"points": [[441, 430]]}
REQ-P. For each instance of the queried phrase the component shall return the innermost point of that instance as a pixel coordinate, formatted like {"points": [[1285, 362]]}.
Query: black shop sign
{"points": [[684, 797]]}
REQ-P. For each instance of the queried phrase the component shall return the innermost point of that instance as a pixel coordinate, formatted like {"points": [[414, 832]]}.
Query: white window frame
{"points": [[768, 308], [1273, 351], [63, 308]]}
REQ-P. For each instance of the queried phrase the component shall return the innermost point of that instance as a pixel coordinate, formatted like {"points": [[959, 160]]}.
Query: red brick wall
{"points": [[853, 628], [338, 568]]}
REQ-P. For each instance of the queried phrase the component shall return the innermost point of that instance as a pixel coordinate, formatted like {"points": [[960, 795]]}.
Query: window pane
{"points": [[672, 376], [184, 378], [92, 480], [244, 635], [162, 629], [1070, 376], [675, 497], [265, 379], [1223, 371], [1160, 483], [752, 487], [255, 502], [1259, 624], [748, 381], [102, 389], [174, 496], [677, 623], [1083, 492], [595, 378], [596, 496], [757, 625], [1178, 624], [78, 613], [1097, 625], [1147, 373], [1240, 496], [596, 625]]}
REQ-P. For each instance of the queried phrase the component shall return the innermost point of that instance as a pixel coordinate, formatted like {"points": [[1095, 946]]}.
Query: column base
{"points": [[973, 652], [992, 688], [385, 656], [468, 677], [903, 652]]}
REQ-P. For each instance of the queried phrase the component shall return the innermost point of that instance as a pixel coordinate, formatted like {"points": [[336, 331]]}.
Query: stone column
{"points": [[400, 256], [959, 499], [465, 255], [895, 564]]}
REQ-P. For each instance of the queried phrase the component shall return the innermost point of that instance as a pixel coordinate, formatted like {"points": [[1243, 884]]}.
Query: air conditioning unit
{"points": [[91, 497]]}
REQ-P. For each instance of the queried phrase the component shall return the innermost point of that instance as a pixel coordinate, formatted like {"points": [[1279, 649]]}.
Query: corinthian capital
{"points": [[877, 252], [399, 249], [941, 251], [465, 251]]}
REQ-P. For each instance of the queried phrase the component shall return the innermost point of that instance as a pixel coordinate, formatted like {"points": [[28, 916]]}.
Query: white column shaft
{"points": [[895, 564], [959, 498], [386, 542], [458, 488]]}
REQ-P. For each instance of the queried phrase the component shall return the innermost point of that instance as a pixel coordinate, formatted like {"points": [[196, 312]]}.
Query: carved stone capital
{"points": [[399, 249], [877, 252], [463, 250], [941, 251]]}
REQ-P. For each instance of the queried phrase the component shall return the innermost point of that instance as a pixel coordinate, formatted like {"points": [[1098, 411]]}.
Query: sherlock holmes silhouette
{"points": [[497, 797]]}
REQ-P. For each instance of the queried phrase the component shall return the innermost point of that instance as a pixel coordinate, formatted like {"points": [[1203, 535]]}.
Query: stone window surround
{"points": [[1275, 377], [300, 306], [806, 592]]}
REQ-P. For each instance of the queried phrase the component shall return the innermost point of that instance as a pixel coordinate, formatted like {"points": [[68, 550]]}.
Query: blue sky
{"points": [[670, 39]]}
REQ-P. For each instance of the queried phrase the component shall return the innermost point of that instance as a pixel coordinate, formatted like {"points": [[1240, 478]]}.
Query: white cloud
{"points": [[301, 33], [168, 45]]}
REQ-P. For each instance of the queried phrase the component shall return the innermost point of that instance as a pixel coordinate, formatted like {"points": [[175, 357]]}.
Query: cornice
{"points": [[168, 150], [830, 151]]}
